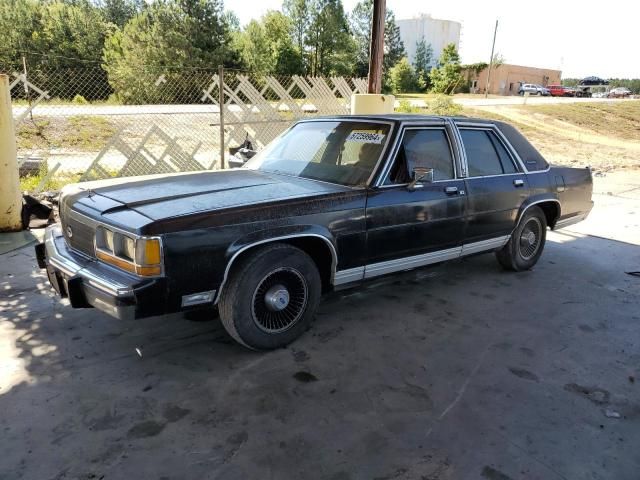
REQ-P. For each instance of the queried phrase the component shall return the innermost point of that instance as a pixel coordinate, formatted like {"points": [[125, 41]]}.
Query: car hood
{"points": [[162, 197]]}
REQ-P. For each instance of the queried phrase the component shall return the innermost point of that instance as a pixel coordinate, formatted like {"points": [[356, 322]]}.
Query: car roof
{"points": [[403, 117]]}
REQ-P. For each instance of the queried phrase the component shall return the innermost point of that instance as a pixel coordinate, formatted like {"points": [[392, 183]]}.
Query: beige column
{"points": [[10, 195]]}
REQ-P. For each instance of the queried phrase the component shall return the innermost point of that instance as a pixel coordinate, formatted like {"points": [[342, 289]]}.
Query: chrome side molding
{"points": [[408, 263]]}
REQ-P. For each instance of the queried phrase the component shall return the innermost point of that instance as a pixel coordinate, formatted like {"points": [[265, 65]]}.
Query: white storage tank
{"points": [[438, 33]]}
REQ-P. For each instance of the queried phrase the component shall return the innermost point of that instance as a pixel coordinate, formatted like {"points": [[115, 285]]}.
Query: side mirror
{"points": [[420, 175]]}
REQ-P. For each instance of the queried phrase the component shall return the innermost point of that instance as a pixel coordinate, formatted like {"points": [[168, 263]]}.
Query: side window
{"points": [[427, 148], [485, 154], [505, 159]]}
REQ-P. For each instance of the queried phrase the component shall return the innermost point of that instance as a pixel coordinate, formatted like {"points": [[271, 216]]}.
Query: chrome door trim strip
{"points": [[349, 275], [408, 263], [485, 245]]}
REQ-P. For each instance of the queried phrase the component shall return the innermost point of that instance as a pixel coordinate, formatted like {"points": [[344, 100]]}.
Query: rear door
{"points": [[402, 224], [496, 186]]}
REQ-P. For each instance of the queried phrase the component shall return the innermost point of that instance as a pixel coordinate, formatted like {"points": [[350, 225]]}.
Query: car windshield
{"points": [[342, 151]]}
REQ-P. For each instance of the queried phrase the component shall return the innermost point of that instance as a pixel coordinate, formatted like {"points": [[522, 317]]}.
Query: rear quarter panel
{"points": [[574, 187]]}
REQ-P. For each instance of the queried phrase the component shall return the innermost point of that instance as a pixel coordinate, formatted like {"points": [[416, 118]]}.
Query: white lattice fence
{"points": [[74, 119]]}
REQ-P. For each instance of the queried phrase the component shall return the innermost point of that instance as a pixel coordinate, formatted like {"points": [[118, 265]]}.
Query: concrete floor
{"points": [[461, 371]]}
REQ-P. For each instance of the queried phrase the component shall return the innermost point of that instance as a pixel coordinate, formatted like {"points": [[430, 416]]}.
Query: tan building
{"points": [[506, 79]]}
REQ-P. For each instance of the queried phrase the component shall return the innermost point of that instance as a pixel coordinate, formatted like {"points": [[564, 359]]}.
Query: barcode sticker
{"points": [[365, 137]]}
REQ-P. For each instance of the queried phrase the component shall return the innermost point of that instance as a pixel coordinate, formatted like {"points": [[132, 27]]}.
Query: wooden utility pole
{"points": [[376, 48], [493, 47]]}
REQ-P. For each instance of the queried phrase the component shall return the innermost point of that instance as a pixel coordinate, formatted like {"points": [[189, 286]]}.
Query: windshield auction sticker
{"points": [[365, 137]]}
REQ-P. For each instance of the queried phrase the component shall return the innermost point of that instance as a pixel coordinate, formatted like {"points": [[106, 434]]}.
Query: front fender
{"points": [[280, 233], [271, 235]]}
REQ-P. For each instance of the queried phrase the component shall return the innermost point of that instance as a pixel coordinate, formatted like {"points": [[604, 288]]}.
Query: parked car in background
{"points": [[593, 81], [329, 204], [599, 95], [619, 92], [533, 89], [561, 91]]}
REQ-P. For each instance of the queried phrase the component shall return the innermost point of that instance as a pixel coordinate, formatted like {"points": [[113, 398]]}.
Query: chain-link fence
{"points": [[86, 124]]}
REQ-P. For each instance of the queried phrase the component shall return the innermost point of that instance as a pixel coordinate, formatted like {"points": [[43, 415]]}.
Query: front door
{"points": [[409, 227]]}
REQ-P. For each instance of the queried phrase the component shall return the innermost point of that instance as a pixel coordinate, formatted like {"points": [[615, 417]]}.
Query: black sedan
{"points": [[593, 81], [333, 202]]}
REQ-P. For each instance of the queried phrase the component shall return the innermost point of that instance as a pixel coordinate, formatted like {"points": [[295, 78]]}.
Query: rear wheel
{"points": [[526, 243], [270, 297]]}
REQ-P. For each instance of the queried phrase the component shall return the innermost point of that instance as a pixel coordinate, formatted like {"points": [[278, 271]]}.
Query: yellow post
{"points": [[371, 103], [10, 195]]}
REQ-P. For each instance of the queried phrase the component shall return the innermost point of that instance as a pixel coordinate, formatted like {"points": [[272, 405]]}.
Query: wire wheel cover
{"points": [[530, 238], [279, 300]]}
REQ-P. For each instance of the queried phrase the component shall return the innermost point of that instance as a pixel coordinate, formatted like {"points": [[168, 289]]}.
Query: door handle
{"points": [[518, 182], [451, 190]]}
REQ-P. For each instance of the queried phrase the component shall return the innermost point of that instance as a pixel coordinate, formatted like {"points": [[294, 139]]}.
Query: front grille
{"points": [[82, 230]]}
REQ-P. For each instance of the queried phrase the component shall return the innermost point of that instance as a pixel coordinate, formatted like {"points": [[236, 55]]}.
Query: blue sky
{"points": [[579, 38]]}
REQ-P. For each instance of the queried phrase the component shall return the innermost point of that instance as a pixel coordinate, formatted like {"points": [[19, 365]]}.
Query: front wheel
{"points": [[526, 243], [270, 297]]}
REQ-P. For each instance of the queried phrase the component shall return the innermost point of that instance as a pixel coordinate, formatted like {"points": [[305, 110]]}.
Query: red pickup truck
{"points": [[561, 91]]}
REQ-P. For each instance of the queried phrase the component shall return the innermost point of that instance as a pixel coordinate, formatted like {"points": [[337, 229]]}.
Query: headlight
{"points": [[108, 240], [129, 248], [142, 256]]}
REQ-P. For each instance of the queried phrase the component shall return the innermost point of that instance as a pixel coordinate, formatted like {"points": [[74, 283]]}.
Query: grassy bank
{"points": [[605, 136]]}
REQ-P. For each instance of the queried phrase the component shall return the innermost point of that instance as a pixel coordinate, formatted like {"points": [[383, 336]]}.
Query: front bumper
{"points": [[90, 283]]}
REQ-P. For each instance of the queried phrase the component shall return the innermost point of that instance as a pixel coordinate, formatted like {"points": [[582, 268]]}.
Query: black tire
{"points": [[270, 297], [526, 243]]}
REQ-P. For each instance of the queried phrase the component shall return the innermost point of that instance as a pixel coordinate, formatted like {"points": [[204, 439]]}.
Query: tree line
{"points": [[131, 41]]}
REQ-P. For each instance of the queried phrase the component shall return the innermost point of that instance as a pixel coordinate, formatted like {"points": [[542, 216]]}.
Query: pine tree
{"points": [[447, 76], [422, 62]]}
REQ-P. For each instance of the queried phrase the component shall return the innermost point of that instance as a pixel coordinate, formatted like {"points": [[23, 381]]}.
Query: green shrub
{"points": [[406, 107], [443, 105], [403, 77], [79, 100]]}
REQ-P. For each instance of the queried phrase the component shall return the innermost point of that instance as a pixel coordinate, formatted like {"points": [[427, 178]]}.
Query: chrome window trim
{"points": [[417, 126], [500, 175], [334, 256], [355, 119], [462, 154], [517, 161]]}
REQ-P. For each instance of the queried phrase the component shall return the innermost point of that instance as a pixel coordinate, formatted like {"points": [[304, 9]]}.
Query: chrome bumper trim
{"points": [[70, 267]]}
